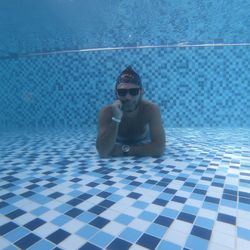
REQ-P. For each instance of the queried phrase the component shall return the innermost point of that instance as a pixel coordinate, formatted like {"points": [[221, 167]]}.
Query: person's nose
{"points": [[128, 96]]}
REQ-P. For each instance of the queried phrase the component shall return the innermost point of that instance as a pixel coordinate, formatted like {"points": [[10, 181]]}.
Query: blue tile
{"points": [[164, 245], [243, 233], [226, 218], [196, 243], [7, 228], [186, 217], [164, 221], [40, 199], [63, 208], [148, 241], [228, 203], [106, 203], [101, 239], [15, 214], [97, 210], [27, 241], [130, 234], [148, 216], [99, 222], [74, 212], [39, 211], [87, 231], [16, 234], [42, 244], [61, 220], [134, 195], [171, 213], [119, 244], [124, 219], [156, 230], [204, 222], [212, 200], [75, 202], [201, 232], [7, 209], [140, 204], [190, 209], [210, 206], [58, 236], [160, 202], [86, 217], [179, 199], [89, 246], [34, 224]]}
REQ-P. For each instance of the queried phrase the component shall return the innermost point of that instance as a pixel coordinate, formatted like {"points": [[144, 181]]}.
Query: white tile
{"points": [[195, 203], [73, 225], [243, 214], [228, 210], [207, 213], [22, 203], [137, 247], [223, 239], [243, 222], [175, 184], [176, 237], [214, 246], [225, 228], [50, 215], [86, 205], [45, 230], [175, 205], [110, 214], [242, 244], [4, 220], [73, 242], [154, 208], [123, 204], [53, 204], [25, 218], [132, 211], [114, 228], [140, 225], [181, 226], [182, 193], [4, 243]]}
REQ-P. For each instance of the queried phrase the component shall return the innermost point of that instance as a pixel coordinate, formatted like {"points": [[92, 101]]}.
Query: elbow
{"points": [[159, 151], [101, 151]]}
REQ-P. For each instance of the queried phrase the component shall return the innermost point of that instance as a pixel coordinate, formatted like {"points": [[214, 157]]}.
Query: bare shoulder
{"points": [[106, 112]]}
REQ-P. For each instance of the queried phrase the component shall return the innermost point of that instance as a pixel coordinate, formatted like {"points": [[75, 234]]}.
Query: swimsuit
{"points": [[145, 137]]}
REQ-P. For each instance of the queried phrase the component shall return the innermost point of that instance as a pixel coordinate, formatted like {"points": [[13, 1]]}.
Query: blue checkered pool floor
{"points": [[56, 193]]}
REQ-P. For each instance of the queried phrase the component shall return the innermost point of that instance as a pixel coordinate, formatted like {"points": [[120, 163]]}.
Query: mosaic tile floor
{"points": [[56, 193]]}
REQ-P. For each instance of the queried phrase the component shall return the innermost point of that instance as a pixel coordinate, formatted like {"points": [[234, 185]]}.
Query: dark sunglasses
{"points": [[132, 91]]}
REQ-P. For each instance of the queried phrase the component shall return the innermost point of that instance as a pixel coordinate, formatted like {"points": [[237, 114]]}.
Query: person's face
{"points": [[130, 95]]}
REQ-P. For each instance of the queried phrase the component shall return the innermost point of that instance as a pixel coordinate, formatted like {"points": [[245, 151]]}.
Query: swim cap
{"points": [[129, 76]]}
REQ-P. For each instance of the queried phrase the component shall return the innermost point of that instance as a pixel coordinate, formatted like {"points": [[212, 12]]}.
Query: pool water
{"points": [[56, 193]]}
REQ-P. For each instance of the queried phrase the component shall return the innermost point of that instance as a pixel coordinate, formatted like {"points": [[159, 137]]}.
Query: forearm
{"points": [[150, 149], [106, 141]]}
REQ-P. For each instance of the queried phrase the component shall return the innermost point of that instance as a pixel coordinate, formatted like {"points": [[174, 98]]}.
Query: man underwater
{"points": [[130, 126]]}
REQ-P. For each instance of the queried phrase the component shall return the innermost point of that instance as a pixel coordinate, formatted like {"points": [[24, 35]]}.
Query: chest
{"points": [[133, 126]]}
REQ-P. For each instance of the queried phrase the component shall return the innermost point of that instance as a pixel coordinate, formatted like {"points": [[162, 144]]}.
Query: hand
{"points": [[117, 109]]}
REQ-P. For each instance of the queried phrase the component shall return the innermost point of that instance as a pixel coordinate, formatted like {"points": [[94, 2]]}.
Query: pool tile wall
{"points": [[194, 87]]}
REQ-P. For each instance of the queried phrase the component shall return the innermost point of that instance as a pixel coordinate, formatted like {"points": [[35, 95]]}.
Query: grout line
{"points": [[178, 45]]}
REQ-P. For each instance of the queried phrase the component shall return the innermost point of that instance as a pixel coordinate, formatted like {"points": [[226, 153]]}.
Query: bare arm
{"points": [[108, 130], [157, 145]]}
